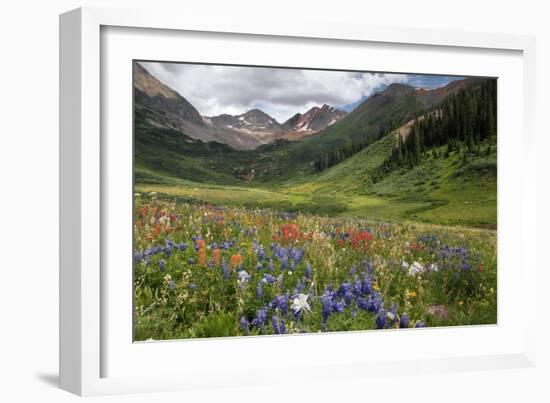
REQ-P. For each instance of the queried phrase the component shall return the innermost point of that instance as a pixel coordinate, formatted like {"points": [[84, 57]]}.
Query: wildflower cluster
{"points": [[204, 270]]}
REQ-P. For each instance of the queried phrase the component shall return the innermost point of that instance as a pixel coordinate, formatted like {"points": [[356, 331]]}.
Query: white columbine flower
{"points": [[433, 267], [416, 268], [243, 278], [300, 303]]}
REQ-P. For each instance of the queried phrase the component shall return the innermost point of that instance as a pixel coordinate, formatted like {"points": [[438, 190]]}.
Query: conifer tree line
{"points": [[340, 153], [465, 119]]}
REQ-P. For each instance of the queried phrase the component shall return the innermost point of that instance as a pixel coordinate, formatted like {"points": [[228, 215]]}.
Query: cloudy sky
{"points": [[280, 93]]}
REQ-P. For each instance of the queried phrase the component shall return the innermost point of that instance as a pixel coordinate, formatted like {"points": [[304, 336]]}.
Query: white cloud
{"points": [[281, 93]]}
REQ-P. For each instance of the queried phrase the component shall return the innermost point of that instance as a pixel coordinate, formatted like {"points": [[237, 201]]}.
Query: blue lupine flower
{"points": [[282, 253], [226, 271], [295, 255], [363, 303], [348, 297], [193, 286], [259, 266], [244, 325], [270, 266], [374, 302], [404, 321], [419, 324], [278, 324], [366, 287], [260, 289], [381, 319], [269, 279], [292, 265], [280, 302], [260, 318], [344, 287], [308, 271], [391, 316], [357, 288], [339, 306], [162, 265], [261, 254], [327, 304]]}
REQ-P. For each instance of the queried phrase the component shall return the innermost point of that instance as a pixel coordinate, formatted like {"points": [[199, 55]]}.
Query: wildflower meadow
{"points": [[203, 270]]}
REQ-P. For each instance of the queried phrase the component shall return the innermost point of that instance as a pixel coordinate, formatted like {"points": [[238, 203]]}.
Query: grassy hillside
{"points": [[452, 190]]}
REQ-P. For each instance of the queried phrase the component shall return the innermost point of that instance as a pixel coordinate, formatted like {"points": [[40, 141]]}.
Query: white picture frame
{"points": [[85, 309]]}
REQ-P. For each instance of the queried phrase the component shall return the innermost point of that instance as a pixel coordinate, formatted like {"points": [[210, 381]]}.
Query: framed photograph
{"points": [[235, 194]]}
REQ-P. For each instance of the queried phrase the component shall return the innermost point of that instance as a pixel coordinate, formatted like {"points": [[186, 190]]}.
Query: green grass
{"points": [[449, 191]]}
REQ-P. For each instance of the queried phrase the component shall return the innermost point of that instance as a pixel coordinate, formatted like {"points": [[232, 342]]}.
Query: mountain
{"points": [[254, 122], [390, 108], [313, 121], [157, 105], [267, 130], [150, 92], [258, 142]]}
